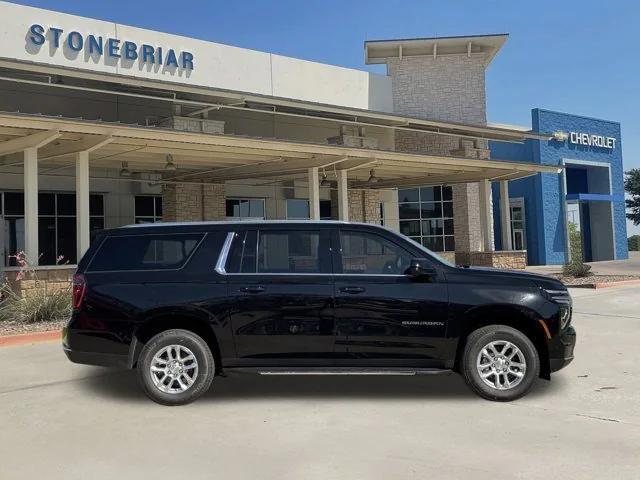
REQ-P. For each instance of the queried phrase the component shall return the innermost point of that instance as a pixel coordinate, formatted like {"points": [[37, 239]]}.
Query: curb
{"points": [[595, 286], [30, 338]]}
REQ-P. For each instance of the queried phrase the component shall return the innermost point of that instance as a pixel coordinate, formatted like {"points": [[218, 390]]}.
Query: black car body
{"points": [[296, 297]]}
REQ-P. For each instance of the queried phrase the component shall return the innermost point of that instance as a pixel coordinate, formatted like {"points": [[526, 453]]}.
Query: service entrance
{"points": [[590, 230]]}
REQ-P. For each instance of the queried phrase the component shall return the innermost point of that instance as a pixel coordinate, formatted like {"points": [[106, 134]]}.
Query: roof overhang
{"points": [[378, 51], [211, 158], [197, 99]]}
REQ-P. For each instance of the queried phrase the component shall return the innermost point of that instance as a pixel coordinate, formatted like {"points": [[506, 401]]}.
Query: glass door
{"points": [[518, 231]]}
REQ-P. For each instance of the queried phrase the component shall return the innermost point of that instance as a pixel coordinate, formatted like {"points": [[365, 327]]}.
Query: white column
{"points": [[314, 194], [82, 203], [505, 215], [486, 217], [343, 196], [31, 248]]}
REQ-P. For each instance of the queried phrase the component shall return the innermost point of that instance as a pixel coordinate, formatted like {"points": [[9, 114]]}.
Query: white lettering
{"points": [[591, 140]]}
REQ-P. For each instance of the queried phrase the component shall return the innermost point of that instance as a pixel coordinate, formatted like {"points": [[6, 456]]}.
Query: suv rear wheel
{"points": [[500, 363], [175, 367]]}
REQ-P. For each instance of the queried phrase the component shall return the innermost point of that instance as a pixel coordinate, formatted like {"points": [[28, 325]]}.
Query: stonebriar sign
{"points": [[97, 45]]}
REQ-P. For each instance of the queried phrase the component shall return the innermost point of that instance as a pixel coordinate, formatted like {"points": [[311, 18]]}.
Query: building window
{"points": [[298, 209], [56, 225], [245, 208], [148, 208], [426, 215]]}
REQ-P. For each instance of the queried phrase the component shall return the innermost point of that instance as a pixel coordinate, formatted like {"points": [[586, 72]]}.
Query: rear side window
{"points": [[145, 252], [280, 252]]}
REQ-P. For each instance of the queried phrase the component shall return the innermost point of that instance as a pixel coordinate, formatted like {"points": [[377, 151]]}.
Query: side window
{"points": [[371, 254], [145, 252], [242, 257], [291, 252]]}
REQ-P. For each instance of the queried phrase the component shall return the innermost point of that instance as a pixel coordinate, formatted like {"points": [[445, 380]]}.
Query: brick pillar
{"points": [[364, 206], [182, 202], [214, 202], [371, 202], [356, 207]]}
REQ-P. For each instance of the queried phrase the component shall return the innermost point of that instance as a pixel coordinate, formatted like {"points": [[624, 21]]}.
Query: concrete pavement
{"points": [[65, 421], [631, 266]]}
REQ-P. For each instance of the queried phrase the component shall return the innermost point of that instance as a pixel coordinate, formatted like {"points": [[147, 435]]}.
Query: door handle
{"points": [[352, 290], [254, 289]]}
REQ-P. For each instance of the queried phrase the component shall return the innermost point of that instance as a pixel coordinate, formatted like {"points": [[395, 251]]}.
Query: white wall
{"points": [[215, 65]]}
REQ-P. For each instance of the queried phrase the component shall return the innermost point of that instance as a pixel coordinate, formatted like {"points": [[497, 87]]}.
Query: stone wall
{"points": [[506, 259], [49, 278], [448, 87], [183, 202]]}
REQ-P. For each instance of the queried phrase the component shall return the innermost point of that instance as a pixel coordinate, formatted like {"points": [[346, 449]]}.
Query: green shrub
{"points": [[39, 305], [634, 243], [576, 269]]}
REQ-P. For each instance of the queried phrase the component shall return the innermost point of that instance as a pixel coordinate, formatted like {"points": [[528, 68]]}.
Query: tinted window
{"points": [[145, 252], [367, 253], [242, 257], [289, 252]]}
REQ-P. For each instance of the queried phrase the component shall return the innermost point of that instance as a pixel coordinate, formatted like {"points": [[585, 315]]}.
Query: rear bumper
{"points": [[99, 359], [561, 349], [89, 349]]}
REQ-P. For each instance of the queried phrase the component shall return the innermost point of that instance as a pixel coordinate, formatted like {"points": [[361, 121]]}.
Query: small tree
{"points": [[575, 243], [632, 186], [576, 267], [634, 243]]}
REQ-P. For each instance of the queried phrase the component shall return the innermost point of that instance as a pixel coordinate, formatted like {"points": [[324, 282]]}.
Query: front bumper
{"points": [[561, 349]]}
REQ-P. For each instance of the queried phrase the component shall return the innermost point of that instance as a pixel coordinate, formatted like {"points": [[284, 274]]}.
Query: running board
{"points": [[354, 371]]}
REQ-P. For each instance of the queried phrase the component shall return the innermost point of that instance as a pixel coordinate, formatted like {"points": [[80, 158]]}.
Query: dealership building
{"points": [[104, 125]]}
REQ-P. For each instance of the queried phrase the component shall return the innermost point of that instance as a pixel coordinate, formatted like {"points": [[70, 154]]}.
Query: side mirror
{"points": [[420, 267]]}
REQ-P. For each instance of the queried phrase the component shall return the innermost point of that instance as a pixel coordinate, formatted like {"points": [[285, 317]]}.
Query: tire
{"points": [[522, 369], [187, 372]]}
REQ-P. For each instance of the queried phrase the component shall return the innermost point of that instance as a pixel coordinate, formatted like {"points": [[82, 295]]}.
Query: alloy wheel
{"points": [[174, 369], [501, 365]]}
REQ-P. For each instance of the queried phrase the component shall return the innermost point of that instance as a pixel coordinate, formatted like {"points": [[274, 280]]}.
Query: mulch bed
{"points": [[593, 280], [16, 328]]}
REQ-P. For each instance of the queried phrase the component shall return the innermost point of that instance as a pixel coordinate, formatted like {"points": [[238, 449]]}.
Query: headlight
{"points": [[563, 299], [565, 316]]}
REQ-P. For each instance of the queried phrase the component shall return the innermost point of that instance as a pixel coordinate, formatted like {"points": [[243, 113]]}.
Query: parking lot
{"points": [[65, 421]]}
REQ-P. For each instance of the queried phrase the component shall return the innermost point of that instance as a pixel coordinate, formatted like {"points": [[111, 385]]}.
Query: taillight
{"points": [[78, 291]]}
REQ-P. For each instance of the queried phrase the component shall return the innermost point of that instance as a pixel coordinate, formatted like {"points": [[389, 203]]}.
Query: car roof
{"points": [[194, 226]]}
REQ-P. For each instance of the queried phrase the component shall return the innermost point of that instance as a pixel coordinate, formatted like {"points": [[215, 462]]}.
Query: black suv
{"points": [[185, 302]]}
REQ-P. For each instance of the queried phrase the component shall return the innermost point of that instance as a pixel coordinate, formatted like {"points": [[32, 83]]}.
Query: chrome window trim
{"points": [[224, 254]]}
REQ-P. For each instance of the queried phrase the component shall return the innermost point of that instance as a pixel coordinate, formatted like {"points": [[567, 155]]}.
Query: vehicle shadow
{"points": [[123, 385]]}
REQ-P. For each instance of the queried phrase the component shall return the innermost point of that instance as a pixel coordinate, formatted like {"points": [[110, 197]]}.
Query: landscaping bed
{"points": [[17, 328], [592, 281]]}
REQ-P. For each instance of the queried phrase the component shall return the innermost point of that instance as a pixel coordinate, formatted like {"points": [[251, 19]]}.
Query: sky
{"points": [[580, 57]]}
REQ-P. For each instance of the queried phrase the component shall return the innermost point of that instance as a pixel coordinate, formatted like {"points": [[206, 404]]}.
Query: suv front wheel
{"points": [[175, 367], [500, 363]]}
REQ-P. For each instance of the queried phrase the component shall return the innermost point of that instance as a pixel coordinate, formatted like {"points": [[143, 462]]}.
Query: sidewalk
{"points": [[612, 267]]}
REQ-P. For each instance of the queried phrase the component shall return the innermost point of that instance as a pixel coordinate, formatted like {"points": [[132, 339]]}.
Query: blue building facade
{"points": [[588, 194]]}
